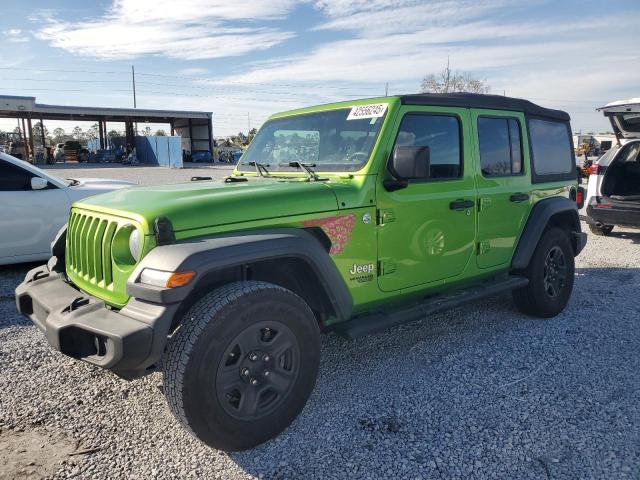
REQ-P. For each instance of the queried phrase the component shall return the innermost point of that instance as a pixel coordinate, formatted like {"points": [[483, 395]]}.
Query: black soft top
{"points": [[476, 100]]}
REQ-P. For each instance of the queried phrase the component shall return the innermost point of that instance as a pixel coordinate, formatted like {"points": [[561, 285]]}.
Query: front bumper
{"points": [[127, 342]]}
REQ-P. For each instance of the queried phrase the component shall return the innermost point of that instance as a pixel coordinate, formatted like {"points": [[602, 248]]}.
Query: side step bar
{"points": [[378, 321]]}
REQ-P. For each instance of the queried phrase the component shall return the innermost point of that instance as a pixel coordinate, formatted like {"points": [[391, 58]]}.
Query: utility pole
{"points": [[386, 89], [248, 123], [448, 76], [133, 79]]}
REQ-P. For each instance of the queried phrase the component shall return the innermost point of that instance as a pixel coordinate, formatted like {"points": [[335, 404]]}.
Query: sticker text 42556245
{"points": [[367, 111]]}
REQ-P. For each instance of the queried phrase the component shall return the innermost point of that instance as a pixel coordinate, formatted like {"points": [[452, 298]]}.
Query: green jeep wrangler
{"points": [[352, 217]]}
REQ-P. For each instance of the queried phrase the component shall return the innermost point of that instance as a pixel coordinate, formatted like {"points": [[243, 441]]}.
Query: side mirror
{"points": [[410, 162], [407, 163], [38, 183]]}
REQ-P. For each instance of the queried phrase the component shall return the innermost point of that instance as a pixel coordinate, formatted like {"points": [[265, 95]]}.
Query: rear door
{"points": [[625, 117], [426, 231], [504, 183]]}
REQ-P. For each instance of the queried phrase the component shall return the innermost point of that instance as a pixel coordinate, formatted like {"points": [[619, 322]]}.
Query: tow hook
{"points": [[75, 304]]}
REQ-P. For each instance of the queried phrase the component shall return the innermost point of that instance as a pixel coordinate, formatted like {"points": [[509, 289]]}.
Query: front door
{"points": [[29, 219], [504, 184], [426, 231]]}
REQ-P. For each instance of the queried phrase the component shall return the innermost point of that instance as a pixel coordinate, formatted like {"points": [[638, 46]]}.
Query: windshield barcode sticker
{"points": [[367, 111]]}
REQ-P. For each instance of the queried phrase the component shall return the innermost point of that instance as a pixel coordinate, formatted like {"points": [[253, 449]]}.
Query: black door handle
{"points": [[461, 204], [519, 197]]}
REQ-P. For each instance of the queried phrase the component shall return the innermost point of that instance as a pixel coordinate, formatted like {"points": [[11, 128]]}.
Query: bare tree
{"points": [[448, 81]]}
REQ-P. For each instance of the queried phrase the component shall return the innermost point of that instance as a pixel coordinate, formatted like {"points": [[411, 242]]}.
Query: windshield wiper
{"points": [[260, 167], [304, 166], [73, 182]]}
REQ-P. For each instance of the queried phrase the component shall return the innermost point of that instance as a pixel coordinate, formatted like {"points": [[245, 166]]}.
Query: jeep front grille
{"points": [[89, 240]]}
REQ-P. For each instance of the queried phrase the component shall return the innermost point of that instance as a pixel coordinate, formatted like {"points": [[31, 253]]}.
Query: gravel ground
{"points": [[480, 392]]}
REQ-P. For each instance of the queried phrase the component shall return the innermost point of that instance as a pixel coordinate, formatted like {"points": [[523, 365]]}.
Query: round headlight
{"points": [[134, 244]]}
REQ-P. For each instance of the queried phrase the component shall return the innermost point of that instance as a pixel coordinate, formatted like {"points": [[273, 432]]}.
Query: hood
{"points": [[203, 204], [100, 184], [624, 116], [93, 186]]}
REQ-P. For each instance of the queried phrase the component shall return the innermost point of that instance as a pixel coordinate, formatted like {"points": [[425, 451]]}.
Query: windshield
{"points": [[335, 140]]}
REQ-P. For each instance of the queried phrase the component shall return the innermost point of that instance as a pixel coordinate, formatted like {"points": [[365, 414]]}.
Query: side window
{"points": [[551, 149], [633, 154], [500, 146], [13, 178], [441, 133]]}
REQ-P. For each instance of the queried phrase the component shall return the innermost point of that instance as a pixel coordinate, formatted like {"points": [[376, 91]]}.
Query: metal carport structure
{"points": [[195, 128]]}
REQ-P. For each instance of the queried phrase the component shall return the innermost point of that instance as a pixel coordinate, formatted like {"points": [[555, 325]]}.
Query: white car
{"points": [[35, 205], [613, 191], [58, 153]]}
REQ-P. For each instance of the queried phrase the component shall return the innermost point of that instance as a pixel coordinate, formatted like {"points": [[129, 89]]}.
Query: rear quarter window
{"points": [[552, 150]]}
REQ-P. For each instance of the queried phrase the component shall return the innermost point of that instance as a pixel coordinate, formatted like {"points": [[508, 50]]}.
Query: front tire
{"points": [[242, 364], [551, 274], [602, 230]]}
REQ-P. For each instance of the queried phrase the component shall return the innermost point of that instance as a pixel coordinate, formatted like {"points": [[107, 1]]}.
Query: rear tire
{"points": [[603, 230], [550, 273], [242, 364]]}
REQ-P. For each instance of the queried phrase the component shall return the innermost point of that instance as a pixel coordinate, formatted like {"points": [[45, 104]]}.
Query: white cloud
{"points": [[371, 19], [548, 60], [193, 71], [191, 30], [15, 35], [339, 8]]}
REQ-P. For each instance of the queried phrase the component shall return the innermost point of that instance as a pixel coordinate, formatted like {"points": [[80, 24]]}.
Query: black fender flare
{"points": [[208, 254], [540, 216]]}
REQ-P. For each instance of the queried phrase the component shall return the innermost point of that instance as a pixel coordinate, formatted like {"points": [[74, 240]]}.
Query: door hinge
{"points": [[484, 203], [484, 246], [385, 267], [386, 215]]}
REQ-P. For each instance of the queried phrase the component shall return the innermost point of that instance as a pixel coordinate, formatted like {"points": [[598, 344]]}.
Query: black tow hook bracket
{"points": [[76, 304], [39, 275]]}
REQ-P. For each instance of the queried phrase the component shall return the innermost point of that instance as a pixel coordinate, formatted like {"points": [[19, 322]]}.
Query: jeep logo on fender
{"points": [[360, 269], [362, 273]]}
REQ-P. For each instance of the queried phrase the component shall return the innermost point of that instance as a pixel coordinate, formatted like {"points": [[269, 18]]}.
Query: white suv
{"points": [[613, 192]]}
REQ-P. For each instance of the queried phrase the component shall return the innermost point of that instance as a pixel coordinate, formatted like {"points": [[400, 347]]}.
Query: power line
{"points": [[65, 70], [60, 90], [186, 77]]}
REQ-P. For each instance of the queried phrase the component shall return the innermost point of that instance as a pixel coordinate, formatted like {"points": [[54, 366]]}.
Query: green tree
{"points": [[92, 132], [252, 133], [37, 134], [58, 135], [77, 133]]}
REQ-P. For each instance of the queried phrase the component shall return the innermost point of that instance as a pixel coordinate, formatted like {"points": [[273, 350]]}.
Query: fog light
{"points": [[159, 278]]}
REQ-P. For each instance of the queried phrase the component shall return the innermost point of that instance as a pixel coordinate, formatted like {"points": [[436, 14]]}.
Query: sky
{"points": [[244, 60]]}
